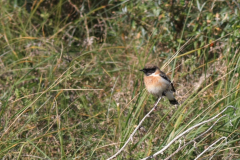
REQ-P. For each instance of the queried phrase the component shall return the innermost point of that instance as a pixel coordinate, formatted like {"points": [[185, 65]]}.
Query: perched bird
{"points": [[158, 83]]}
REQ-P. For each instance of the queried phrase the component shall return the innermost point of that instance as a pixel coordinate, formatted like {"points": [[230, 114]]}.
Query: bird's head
{"points": [[149, 69]]}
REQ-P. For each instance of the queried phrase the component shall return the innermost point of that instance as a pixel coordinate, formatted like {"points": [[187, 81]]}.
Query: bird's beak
{"points": [[142, 70]]}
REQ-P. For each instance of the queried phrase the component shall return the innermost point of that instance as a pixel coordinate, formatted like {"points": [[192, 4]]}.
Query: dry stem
{"points": [[131, 136], [185, 132]]}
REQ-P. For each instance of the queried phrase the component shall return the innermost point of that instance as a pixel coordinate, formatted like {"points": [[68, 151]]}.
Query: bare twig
{"points": [[185, 132], [193, 140], [131, 136], [74, 6], [225, 138]]}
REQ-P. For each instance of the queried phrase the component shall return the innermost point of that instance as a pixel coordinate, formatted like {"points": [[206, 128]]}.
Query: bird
{"points": [[158, 83]]}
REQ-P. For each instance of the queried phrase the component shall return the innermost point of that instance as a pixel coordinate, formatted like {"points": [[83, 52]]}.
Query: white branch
{"points": [[185, 132], [193, 140], [210, 147], [131, 136]]}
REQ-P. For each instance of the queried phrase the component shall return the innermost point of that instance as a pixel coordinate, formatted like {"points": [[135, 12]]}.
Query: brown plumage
{"points": [[158, 83]]}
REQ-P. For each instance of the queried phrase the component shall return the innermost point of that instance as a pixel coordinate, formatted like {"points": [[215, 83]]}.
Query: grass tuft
{"points": [[70, 86]]}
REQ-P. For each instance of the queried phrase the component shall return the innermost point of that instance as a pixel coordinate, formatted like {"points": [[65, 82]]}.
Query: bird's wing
{"points": [[164, 76], [173, 89]]}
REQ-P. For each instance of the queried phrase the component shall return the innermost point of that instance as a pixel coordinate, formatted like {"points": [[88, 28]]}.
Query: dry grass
{"points": [[68, 93]]}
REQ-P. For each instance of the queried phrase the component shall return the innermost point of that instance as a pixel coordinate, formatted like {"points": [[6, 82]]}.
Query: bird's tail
{"points": [[171, 98], [173, 101]]}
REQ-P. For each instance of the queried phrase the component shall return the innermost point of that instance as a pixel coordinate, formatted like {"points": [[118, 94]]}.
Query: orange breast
{"points": [[152, 80], [154, 85]]}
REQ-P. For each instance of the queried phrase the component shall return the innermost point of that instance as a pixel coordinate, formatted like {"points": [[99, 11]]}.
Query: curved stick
{"points": [[183, 133], [131, 136]]}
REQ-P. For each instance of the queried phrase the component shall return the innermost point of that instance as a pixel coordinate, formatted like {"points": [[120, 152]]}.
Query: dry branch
{"points": [[193, 140], [185, 132], [131, 136]]}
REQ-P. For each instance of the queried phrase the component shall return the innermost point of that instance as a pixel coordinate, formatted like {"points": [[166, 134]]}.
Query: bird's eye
{"points": [[153, 70]]}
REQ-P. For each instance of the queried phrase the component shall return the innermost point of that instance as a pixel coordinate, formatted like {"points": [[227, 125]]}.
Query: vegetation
{"points": [[70, 86]]}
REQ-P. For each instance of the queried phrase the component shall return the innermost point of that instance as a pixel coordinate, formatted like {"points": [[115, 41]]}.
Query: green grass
{"points": [[63, 98]]}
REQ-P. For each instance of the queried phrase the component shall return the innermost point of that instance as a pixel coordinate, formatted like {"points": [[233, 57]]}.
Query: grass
{"points": [[71, 87]]}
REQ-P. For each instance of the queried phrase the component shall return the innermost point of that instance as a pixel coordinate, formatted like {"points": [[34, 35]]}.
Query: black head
{"points": [[148, 70]]}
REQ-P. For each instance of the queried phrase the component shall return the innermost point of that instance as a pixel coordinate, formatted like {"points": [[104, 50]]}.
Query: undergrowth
{"points": [[70, 86]]}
